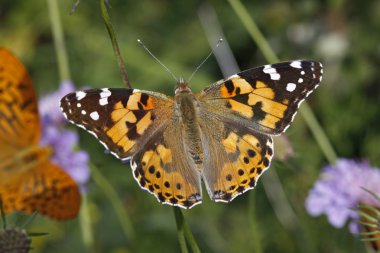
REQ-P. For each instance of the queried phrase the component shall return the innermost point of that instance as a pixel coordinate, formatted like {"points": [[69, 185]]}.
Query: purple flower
{"points": [[49, 105], [63, 141], [340, 188]]}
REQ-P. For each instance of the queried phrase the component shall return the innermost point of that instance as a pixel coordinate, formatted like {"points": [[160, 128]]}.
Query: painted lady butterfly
{"points": [[221, 135]]}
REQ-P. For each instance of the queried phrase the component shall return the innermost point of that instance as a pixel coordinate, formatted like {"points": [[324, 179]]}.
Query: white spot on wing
{"points": [[79, 105], [291, 87], [80, 94], [272, 72], [104, 96], [234, 76], [83, 112], [105, 93], [103, 101], [94, 115], [300, 80], [296, 64]]}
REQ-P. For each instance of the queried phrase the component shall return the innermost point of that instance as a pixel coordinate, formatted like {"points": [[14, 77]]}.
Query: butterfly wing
{"points": [[264, 99], [46, 189], [238, 115], [121, 119], [234, 158], [19, 120], [28, 182], [165, 169], [140, 124]]}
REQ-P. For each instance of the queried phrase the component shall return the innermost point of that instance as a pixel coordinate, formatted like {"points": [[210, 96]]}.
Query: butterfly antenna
{"points": [[163, 65], [208, 56]]}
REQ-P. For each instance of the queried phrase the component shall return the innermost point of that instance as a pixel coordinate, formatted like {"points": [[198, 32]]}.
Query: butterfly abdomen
{"points": [[187, 112]]}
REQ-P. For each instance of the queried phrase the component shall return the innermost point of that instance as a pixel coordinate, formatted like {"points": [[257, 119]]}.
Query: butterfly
{"points": [[221, 135], [29, 182]]}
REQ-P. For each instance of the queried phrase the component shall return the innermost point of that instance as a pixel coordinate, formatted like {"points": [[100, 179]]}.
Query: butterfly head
{"points": [[182, 86]]}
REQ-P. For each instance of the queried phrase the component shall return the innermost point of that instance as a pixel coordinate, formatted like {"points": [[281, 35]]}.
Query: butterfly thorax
{"points": [[187, 111]]}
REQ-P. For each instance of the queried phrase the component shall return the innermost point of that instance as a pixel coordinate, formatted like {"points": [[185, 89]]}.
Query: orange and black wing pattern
{"points": [[265, 98], [29, 182]]}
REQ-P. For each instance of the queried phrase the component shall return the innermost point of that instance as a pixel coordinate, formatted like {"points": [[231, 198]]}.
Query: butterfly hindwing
{"points": [[164, 168], [235, 157], [119, 118], [265, 98], [46, 189]]}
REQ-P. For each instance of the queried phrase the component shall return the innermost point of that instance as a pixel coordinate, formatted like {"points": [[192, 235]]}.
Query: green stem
{"points": [[184, 232], [107, 188], [3, 214], [59, 42], [318, 133], [85, 222], [256, 238], [111, 33], [253, 30], [270, 56], [181, 235]]}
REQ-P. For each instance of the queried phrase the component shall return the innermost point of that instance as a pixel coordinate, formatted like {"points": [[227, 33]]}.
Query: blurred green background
{"points": [[343, 35]]}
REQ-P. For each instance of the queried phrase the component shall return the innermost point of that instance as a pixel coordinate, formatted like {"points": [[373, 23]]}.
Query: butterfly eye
{"points": [[182, 87]]}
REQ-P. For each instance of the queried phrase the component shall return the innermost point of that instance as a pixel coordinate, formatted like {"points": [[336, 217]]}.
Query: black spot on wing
{"points": [[132, 131], [258, 113], [144, 99], [241, 98], [229, 86]]}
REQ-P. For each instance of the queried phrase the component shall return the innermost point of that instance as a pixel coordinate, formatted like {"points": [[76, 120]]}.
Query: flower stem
{"points": [[107, 188], [2, 213], [85, 224], [59, 42], [181, 235], [184, 232], [253, 30], [255, 234], [111, 33], [318, 133], [270, 56]]}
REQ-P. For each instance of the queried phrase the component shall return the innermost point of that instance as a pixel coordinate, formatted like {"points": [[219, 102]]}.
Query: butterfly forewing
{"points": [[19, 121], [120, 118], [265, 98]]}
